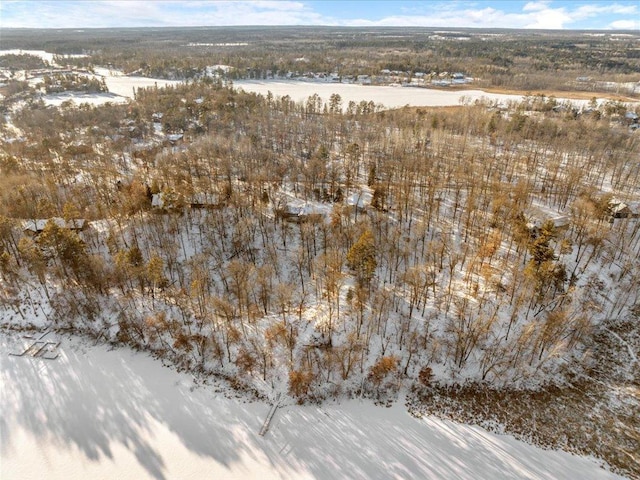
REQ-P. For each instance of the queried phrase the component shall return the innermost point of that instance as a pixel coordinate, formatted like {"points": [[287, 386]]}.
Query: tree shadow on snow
{"points": [[93, 401]]}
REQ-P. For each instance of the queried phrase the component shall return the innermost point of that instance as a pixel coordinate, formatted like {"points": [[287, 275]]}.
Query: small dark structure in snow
{"points": [[536, 219], [300, 213]]}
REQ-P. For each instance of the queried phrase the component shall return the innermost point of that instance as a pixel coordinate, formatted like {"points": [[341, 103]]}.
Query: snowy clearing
{"points": [[58, 99], [100, 413], [123, 85], [121, 89], [45, 56]]}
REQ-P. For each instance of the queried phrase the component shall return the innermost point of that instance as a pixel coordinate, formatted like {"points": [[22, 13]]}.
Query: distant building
{"points": [[535, 218]]}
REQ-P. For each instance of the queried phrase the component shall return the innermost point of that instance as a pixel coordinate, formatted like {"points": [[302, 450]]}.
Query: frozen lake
{"points": [[100, 413], [389, 96]]}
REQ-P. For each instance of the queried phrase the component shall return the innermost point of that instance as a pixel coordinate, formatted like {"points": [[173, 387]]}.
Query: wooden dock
{"points": [[40, 348], [267, 421]]}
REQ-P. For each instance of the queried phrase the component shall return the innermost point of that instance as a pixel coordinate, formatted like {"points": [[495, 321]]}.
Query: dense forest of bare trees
{"points": [[325, 248]]}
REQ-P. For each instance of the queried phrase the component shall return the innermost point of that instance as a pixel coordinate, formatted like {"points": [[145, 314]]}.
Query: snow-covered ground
{"points": [[45, 56], [99, 413], [124, 86], [121, 89], [97, 98]]}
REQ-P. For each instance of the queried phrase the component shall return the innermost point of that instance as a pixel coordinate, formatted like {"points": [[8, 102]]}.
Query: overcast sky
{"points": [[551, 14]]}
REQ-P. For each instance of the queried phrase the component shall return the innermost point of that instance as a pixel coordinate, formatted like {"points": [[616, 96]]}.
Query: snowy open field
{"points": [[122, 85], [45, 56], [121, 89], [57, 99], [100, 413]]}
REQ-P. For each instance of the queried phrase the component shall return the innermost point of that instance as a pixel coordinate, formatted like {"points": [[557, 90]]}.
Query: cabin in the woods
{"points": [[36, 226]]}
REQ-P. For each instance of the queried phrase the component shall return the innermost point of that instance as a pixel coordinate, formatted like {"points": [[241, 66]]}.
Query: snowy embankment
{"points": [[100, 413]]}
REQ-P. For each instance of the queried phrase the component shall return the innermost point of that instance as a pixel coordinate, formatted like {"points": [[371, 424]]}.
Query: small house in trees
{"points": [[299, 211], [312, 212], [535, 220], [459, 78], [560, 222], [620, 209], [35, 227], [288, 209]]}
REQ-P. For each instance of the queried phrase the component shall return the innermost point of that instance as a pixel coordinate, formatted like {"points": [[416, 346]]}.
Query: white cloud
{"points": [[119, 13], [534, 15], [624, 25], [539, 14], [129, 13], [535, 6], [549, 18], [593, 10], [540, 18]]}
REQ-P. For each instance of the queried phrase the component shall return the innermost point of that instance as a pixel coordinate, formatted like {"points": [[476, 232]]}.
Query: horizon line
{"points": [[345, 27]]}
